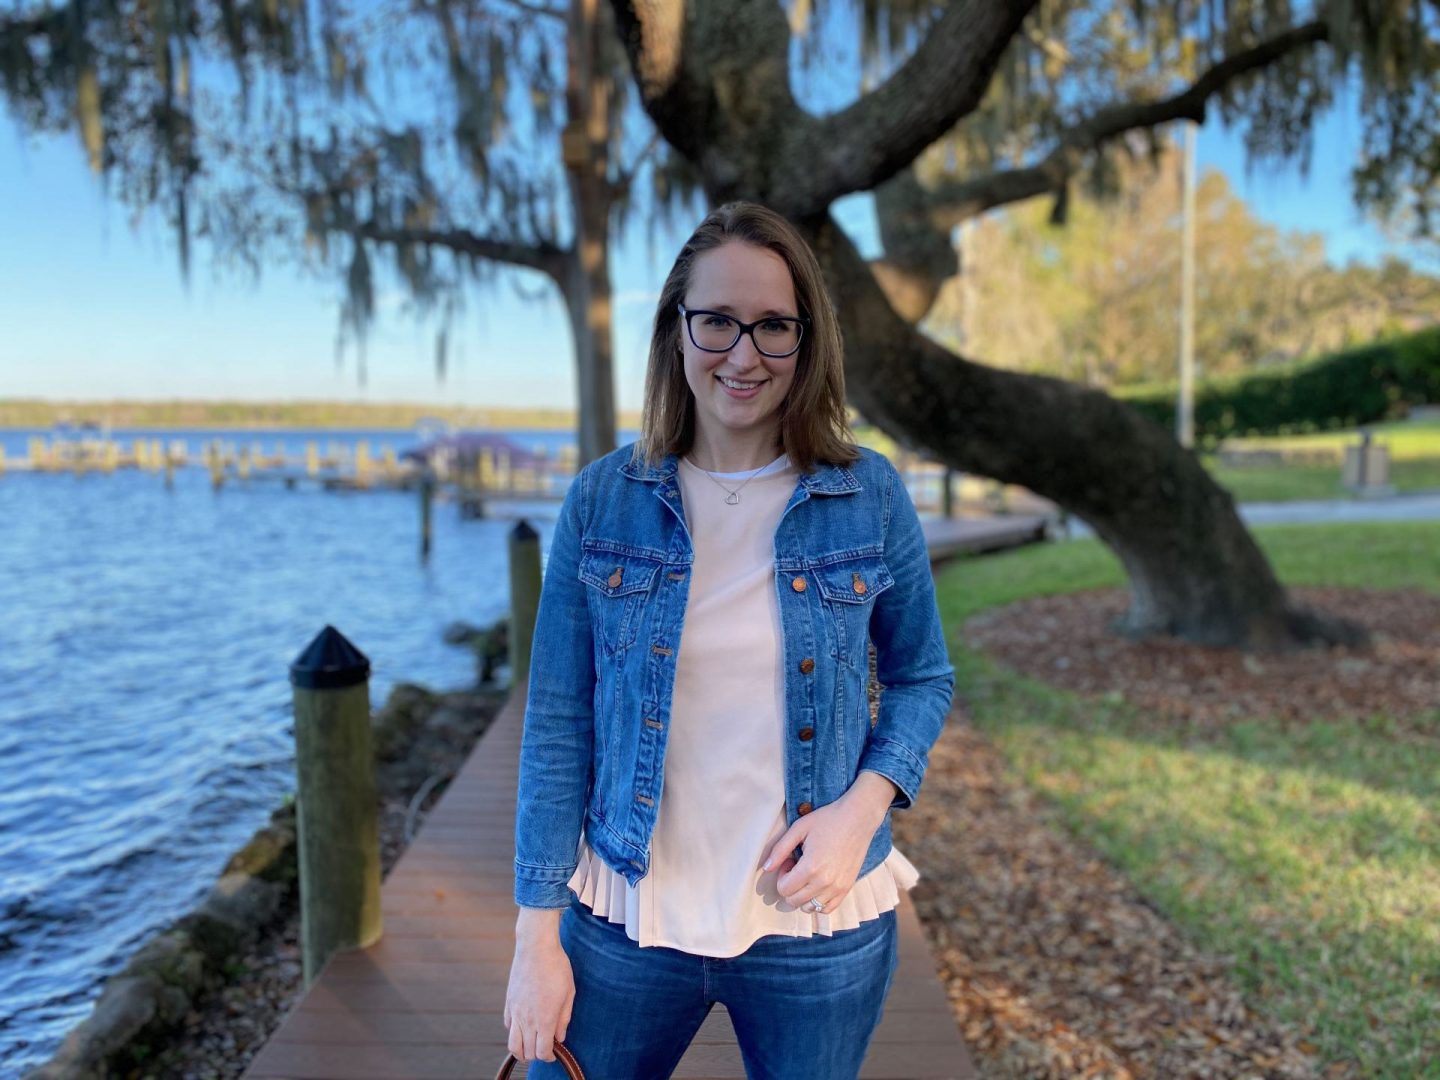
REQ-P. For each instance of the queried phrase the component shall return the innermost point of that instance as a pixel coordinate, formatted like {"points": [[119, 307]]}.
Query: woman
{"points": [[697, 700]]}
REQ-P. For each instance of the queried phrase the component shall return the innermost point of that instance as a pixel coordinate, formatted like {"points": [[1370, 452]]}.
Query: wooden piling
{"points": [[504, 479], [524, 596], [362, 463], [312, 459], [337, 823], [427, 499]]}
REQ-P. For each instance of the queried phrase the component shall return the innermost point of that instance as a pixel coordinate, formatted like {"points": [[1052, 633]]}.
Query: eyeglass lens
{"points": [[719, 332]]}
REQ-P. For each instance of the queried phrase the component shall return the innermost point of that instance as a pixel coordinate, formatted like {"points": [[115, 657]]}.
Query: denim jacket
{"points": [[851, 567]]}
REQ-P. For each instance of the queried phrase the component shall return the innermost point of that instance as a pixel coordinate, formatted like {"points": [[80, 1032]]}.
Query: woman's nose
{"points": [[745, 355]]}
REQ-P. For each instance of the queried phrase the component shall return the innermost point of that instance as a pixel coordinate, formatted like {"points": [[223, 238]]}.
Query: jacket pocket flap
{"points": [[854, 581], [616, 574]]}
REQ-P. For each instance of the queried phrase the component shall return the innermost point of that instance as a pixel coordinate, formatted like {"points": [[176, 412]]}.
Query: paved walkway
{"points": [[1416, 506]]}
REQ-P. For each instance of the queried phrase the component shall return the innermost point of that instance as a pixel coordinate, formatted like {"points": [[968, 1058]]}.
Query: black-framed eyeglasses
{"points": [[775, 336]]}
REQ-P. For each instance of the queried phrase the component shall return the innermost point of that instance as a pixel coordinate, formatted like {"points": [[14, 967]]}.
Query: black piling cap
{"points": [[523, 530], [329, 662]]}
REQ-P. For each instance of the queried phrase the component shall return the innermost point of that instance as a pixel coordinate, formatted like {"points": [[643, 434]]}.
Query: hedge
{"points": [[1370, 383]]}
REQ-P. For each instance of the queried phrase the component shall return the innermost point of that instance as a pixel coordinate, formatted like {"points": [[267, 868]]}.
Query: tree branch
{"points": [[942, 82], [653, 34], [546, 258], [954, 202], [531, 8]]}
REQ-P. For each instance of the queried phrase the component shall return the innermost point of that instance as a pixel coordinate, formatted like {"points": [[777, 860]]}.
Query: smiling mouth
{"points": [[736, 384]]}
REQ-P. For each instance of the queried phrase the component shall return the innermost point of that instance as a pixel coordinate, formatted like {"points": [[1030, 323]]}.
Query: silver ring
{"points": [[816, 905]]}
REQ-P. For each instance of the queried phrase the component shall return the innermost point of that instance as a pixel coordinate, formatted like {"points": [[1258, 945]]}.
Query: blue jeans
{"points": [[802, 1008]]}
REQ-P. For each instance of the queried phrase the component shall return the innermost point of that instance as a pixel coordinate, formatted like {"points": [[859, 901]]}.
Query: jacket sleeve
{"points": [[556, 747], [912, 659]]}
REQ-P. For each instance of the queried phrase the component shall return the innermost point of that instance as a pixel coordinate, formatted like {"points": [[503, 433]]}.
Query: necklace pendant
{"points": [[733, 498]]}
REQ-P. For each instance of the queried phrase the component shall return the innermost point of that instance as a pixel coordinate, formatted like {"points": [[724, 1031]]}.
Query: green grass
{"points": [[1310, 855], [1414, 464]]}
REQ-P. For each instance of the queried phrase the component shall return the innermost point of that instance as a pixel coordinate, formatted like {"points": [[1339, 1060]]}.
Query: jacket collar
{"points": [[827, 479]]}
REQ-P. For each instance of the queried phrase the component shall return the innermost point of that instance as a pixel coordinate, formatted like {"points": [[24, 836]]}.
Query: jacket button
{"points": [[807, 665], [858, 585], [804, 808], [616, 576], [806, 734], [798, 584]]}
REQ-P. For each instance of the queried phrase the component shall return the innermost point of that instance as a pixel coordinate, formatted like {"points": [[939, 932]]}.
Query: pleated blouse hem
{"points": [[606, 892]]}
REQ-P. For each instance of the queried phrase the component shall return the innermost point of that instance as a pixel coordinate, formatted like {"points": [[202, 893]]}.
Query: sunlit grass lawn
{"points": [[1312, 857], [1414, 464]]}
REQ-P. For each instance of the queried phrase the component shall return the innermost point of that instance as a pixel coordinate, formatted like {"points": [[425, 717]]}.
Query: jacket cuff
{"points": [[543, 886], [898, 764]]}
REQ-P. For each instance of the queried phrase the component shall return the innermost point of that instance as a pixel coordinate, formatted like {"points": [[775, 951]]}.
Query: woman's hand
{"points": [[539, 998], [835, 839]]}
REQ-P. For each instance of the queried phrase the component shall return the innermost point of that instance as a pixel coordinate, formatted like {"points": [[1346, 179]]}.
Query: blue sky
{"points": [[93, 308]]}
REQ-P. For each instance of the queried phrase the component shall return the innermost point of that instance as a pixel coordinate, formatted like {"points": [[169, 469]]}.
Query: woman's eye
{"points": [[716, 321], [775, 326]]}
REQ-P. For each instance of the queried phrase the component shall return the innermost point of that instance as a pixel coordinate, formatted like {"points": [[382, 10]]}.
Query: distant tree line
{"points": [[35, 413]]}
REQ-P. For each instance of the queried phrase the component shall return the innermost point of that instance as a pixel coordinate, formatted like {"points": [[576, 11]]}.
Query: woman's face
{"points": [[749, 283]]}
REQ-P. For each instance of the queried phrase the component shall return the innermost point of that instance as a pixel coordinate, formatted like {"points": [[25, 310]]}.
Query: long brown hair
{"points": [[813, 423]]}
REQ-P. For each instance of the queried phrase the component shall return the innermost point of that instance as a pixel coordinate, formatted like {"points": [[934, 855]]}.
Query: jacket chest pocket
{"points": [[617, 584], [850, 587]]}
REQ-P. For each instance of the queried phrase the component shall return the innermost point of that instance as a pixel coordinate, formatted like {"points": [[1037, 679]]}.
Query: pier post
{"points": [[947, 493], [169, 471], [362, 463], [312, 459], [336, 815], [524, 596], [427, 500], [504, 478]]}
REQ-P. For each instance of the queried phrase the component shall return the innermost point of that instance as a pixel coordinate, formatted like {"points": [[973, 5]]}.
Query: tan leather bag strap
{"points": [[562, 1052]]}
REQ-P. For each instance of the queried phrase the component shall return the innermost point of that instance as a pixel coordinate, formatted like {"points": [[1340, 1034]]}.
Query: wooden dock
{"points": [[947, 537], [425, 1002]]}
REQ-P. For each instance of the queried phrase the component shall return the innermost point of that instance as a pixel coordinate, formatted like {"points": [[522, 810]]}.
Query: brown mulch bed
{"points": [[1066, 641]]}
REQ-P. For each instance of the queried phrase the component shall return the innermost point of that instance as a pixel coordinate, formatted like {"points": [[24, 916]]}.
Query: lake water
{"points": [[145, 704]]}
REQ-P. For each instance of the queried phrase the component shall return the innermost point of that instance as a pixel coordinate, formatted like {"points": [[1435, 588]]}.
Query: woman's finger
{"points": [[545, 1045]]}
